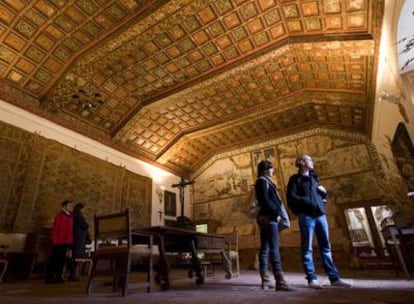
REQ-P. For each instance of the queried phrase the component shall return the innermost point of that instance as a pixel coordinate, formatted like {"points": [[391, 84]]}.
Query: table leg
{"points": [[226, 264], [196, 264], [162, 269]]}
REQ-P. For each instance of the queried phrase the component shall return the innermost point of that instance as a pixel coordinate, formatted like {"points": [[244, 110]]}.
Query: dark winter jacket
{"points": [[303, 196], [267, 198], [80, 232], [62, 229]]}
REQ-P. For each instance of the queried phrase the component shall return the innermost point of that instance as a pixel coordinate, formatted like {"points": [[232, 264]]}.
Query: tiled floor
{"points": [[369, 287]]}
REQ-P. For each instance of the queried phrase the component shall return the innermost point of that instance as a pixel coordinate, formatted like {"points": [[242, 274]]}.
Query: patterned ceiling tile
{"points": [[266, 4], [294, 26], [355, 5], [231, 20], [25, 66], [45, 8], [7, 15], [15, 41], [310, 8], [313, 25], [356, 21], [206, 15], [44, 42], [290, 11], [25, 28], [271, 17], [177, 67], [16, 77], [7, 54], [16, 4], [333, 23], [36, 17], [332, 6]]}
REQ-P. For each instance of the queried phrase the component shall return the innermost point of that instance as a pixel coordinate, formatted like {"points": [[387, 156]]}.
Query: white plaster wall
{"points": [[387, 115], [32, 123]]}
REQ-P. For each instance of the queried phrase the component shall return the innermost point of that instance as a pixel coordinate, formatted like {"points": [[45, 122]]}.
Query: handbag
{"points": [[284, 221], [253, 209]]}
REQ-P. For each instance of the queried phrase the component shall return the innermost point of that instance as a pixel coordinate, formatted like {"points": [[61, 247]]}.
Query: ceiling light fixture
{"points": [[392, 98], [86, 100]]}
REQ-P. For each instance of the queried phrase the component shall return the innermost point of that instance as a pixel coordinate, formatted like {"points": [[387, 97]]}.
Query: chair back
{"points": [[112, 230], [232, 241]]}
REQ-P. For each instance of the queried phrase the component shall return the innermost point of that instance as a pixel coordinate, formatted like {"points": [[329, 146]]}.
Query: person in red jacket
{"points": [[62, 240]]}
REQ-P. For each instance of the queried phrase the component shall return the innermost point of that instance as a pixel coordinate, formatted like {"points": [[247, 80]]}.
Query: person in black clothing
{"points": [[307, 198], [80, 235], [269, 202]]}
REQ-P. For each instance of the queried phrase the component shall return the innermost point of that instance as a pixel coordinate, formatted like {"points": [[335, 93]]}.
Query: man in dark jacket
{"points": [[306, 198]]}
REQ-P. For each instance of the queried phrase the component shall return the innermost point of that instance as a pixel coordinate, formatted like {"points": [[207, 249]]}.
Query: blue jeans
{"points": [[269, 243], [308, 225]]}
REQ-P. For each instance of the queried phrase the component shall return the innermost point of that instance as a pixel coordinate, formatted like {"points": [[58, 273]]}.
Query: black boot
{"points": [[281, 284], [266, 280]]}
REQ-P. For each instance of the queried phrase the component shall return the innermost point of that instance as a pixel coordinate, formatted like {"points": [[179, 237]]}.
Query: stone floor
{"points": [[369, 287]]}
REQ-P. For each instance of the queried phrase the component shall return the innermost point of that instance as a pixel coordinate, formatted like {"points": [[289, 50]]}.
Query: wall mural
{"points": [[343, 164], [226, 177], [41, 173], [64, 175], [352, 188], [332, 157], [136, 196], [229, 211]]}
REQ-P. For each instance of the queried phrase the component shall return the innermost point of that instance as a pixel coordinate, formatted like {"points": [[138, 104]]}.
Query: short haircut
{"points": [[65, 202], [299, 159]]}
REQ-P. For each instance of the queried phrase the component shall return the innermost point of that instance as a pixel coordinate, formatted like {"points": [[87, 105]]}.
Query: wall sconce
{"points": [[392, 98], [160, 193]]}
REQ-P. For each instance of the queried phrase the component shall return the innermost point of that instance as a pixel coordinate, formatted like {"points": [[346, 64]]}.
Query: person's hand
{"points": [[322, 189]]}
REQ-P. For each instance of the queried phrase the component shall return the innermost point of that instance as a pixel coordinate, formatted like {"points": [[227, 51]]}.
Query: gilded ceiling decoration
{"points": [[179, 81]]}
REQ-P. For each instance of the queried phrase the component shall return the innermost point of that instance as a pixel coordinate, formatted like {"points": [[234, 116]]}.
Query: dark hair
{"points": [[78, 207], [64, 203], [263, 166]]}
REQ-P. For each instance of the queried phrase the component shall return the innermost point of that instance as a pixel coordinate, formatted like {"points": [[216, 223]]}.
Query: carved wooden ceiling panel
{"points": [[178, 81]]}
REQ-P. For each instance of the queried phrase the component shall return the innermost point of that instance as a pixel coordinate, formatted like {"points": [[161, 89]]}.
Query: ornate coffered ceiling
{"points": [[183, 80]]}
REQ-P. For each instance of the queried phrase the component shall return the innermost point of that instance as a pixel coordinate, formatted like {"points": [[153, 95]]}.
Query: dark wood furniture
{"points": [[3, 261], [113, 240], [400, 246], [174, 239]]}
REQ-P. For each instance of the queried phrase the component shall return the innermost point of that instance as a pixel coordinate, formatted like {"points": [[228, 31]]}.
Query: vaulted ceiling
{"points": [[179, 81]]}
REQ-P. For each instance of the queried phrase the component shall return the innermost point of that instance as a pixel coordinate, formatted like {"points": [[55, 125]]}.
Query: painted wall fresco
{"points": [[333, 156], [14, 160], [228, 212], [226, 177], [352, 188], [38, 174], [343, 163]]}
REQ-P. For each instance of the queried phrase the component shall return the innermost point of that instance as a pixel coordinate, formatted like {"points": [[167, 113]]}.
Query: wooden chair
{"points": [[85, 260], [112, 249], [3, 261], [232, 251]]}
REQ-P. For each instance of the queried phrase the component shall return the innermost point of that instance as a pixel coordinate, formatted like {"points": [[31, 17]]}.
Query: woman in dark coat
{"points": [[80, 235]]}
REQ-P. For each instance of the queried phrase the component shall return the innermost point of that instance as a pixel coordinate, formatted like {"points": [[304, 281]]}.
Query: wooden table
{"points": [[392, 235], [174, 239]]}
